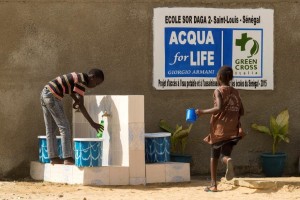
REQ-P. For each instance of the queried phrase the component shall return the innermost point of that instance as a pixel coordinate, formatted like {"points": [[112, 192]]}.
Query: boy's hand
{"points": [[97, 126]]}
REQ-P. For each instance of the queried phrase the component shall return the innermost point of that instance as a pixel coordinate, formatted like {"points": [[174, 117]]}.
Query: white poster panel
{"points": [[191, 44]]}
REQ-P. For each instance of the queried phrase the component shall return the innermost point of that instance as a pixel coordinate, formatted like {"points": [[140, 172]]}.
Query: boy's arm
{"points": [[216, 109], [76, 99], [79, 102]]}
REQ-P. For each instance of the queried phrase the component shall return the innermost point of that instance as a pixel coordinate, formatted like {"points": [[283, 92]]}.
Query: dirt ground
{"points": [[28, 189]]}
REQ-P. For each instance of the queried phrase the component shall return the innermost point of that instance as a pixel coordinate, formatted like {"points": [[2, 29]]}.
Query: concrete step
{"points": [[110, 175], [263, 182]]}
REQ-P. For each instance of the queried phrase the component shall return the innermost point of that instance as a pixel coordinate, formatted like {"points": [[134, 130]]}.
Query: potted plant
{"points": [[273, 162], [179, 137]]}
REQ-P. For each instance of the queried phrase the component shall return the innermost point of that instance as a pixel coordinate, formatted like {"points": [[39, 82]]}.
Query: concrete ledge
{"points": [[168, 172], [155, 173], [71, 174], [264, 183], [110, 175], [37, 171]]}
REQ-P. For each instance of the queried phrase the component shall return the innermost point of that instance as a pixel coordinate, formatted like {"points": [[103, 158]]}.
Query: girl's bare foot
{"points": [[229, 171], [211, 188]]}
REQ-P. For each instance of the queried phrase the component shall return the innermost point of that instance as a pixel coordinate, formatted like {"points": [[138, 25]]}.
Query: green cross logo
{"points": [[243, 41]]}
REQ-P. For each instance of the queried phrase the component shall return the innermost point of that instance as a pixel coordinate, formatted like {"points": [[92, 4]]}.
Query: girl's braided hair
{"points": [[226, 74]]}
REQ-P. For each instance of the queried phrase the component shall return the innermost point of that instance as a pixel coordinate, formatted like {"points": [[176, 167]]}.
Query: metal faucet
{"points": [[105, 114]]}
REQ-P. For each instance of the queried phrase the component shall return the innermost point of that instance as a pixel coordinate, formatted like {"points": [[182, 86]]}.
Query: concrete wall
{"points": [[42, 39]]}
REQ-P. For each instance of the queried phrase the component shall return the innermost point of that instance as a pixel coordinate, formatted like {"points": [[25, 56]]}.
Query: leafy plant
{"points": [[278, 129], [179, 136]]}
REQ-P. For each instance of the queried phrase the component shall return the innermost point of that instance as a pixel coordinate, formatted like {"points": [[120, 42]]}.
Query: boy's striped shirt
{"points": [[68, 83]]}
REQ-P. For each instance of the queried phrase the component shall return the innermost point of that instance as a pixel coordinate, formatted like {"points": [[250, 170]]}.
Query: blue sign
{"points": [[197, 52]]}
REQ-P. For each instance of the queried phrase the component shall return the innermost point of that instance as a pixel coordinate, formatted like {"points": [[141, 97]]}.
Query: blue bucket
{"points": [[191, 116], [157, 147], [88, 152], [43, 151]]}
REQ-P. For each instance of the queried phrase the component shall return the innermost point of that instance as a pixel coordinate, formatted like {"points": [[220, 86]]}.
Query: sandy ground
{"points": [[29, 189]]}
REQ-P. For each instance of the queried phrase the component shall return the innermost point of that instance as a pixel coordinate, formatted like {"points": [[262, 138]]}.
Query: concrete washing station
{"points": [[123, 148]]}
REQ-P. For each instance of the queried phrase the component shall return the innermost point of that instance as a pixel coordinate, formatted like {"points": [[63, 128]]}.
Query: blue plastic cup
{"points": [[191, 116]]}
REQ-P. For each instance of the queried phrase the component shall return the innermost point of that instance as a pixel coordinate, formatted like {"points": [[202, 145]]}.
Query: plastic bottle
{"points": [[100, 133]]}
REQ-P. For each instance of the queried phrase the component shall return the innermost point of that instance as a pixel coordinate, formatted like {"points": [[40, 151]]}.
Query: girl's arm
{"points": [[242, 110], [216, 109]]}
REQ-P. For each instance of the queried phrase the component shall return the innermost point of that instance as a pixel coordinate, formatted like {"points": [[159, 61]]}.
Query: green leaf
{"points": [[274, 128], [254, 48], [190, 127], [182, 134], [287, 140], [284, 138], [174, 144], [262, 129], [283, 118], [183, 144], [165, 126], [280, 137], [284, 130], [179, 136], [278, 129], [282, 133], [178, 129]]}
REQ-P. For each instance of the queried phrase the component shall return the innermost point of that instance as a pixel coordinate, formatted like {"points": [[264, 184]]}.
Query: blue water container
{"points": [[157, 147], [191, 116], [43, 151], [88, 152]]}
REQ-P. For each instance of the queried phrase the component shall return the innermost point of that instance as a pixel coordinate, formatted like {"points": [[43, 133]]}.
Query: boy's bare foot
{"points": [[56, 160], [69, 161], [229, 171]]}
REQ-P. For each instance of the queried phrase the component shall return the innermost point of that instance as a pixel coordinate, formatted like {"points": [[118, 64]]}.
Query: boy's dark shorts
{"points": [[223, 148]]}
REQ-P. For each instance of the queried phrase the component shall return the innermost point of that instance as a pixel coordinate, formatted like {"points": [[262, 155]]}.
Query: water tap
{"points": [[105, 114]]}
